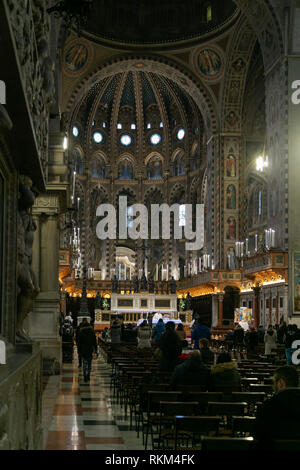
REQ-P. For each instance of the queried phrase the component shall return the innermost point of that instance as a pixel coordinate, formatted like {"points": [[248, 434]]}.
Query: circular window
{"points": [[155, 139], [98, 137], [75, 131], [180, 134], [126, 139]]}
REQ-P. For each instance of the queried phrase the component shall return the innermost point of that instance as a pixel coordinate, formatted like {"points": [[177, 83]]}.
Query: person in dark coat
{"points": [[225, 376], [238, 337], [251, 341], [171, 347], [115, 332], [200, 331], [281, 333], [261, 334], [206, 354], [191, 372], [279, 416], [87, 344]]}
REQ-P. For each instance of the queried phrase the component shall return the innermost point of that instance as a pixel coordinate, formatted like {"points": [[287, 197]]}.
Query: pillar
{"points": [[256, 306], [220, 310]]}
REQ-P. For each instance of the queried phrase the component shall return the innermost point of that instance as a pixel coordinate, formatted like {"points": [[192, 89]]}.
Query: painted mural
{"points": [[209, 62]]}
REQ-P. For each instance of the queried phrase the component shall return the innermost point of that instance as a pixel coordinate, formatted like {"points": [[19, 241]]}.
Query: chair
{"points": [[251, 398], [153, 410], [225, 443], [203, 398], [189, 429], [227, 410], [266, 388], [168, 411], [243, 425]]}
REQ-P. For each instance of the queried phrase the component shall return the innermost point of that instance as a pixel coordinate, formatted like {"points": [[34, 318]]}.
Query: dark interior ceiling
{"points": [[157, 21]]}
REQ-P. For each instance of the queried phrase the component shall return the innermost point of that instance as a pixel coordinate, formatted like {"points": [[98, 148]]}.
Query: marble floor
{"points": [[84, 416]]}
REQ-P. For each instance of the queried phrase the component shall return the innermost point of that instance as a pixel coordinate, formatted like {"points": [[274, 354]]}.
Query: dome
{"points": [[157, 22]]}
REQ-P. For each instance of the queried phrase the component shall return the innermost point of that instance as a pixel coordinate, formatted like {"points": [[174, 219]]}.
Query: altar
{"points": [[134, 308]]}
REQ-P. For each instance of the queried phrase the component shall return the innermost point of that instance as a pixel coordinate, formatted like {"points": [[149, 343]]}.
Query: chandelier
{"points": [[73, 12]]}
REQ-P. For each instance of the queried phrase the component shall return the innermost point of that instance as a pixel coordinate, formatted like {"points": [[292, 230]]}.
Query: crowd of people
{"points": [[271, 338]]}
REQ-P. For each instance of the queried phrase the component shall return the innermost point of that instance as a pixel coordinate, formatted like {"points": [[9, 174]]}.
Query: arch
{"points": [[154, 167], [163, 66], [98, 169], [178, 194], [77, 159], [125, 168]]}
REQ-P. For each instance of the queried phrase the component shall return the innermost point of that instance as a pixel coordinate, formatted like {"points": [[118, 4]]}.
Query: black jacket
{"points": [[191, 372], [87, 342], [279, 417]]}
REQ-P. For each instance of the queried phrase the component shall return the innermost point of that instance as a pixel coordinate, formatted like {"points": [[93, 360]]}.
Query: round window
{"points": [[98, 137], [126, 139], [155, 139], [75, 131], [180, 134]]}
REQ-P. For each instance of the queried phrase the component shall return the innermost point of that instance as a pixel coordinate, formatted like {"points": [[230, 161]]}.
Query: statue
{"points": [[151, 285], [26, 280], [115, 284], [173, 285], [98, 300], [188, 301]]}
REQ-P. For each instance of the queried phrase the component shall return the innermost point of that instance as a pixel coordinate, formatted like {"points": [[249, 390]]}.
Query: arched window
{"points": [[98, 168], [125, 170], [179, 165], [154, 168]]}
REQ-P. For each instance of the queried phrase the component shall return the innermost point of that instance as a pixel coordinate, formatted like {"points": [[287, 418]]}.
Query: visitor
{"points": [[68, 318], [279, 416], [115, 332], [238, 337], [224, 375], [87, 344], [158, 330], [281, 332], [104, 333], [144, 336], [270, 341], [129, 334], [260, 334], [251, 341], [170, 347], [207, 354], [191, 372], [199, 331]]}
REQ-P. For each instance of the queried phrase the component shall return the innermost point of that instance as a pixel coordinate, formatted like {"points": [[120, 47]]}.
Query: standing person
{"points": [[144, 336], [281, 332], [115, 332], [171, 347], [69, 318], [270, 341], [158, 330], [200, 331], [251, 341], [238, 338], [87, 344], [261, 334]]}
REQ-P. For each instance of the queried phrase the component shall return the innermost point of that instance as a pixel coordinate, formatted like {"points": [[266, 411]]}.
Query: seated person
{"points": [[206, 353], [191, 372], [225, 376], [180, 331], [279, 416], [144, 336], [171, 347]]}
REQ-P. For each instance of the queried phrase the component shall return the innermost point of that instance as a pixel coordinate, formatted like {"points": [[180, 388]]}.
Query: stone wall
{"points": [[21, 402]]}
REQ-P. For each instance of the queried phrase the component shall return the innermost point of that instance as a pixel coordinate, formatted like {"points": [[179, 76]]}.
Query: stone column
{"points": [[215, 304], [220, 310], [256, 306], [43, 322]]}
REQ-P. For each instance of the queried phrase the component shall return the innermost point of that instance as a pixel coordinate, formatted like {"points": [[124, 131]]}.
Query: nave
{"points": [[84, 416]]}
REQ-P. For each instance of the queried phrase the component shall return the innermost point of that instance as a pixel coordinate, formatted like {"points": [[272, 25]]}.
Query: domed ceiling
{"points": [[157, 21]]}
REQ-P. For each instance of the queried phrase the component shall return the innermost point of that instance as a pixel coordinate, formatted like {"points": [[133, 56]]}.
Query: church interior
{"points": [[190, 104]]}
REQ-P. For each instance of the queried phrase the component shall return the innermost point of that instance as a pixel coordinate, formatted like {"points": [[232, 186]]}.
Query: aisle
{"points": [[80, 416]]}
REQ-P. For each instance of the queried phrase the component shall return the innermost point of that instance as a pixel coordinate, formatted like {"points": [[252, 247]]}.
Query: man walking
{"points": [[87, 344]]}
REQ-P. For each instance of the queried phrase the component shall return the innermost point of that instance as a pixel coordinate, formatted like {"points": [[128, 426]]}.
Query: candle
{"points": [[78, 199], [256, 240], [228, 257], [247, 245]]}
